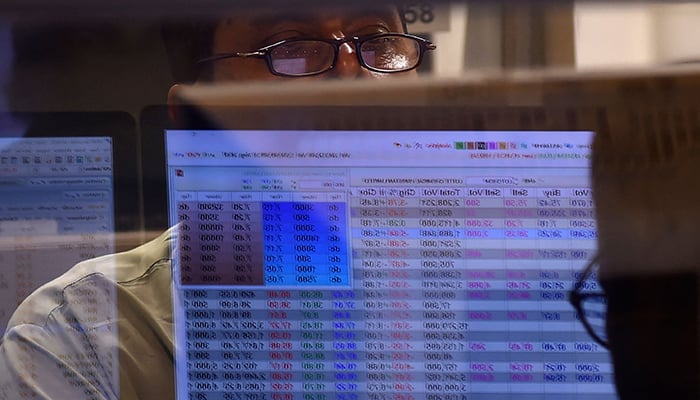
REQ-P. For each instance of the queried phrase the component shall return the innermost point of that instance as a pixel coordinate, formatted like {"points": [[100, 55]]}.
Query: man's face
{"points": [[246, 32], [250, 30]]}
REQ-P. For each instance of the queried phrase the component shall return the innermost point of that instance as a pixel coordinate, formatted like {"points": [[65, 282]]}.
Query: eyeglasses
{"points": [[385, 52], [590, 303]]}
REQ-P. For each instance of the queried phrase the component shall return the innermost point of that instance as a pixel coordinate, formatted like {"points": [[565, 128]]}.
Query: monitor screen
{"points": [[382, 264], [56, 209]]}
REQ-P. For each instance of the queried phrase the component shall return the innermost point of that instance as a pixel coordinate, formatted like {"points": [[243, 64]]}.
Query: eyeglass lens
{"points": [[391, 53], [593, 306], [594, 311], [303, 57]]}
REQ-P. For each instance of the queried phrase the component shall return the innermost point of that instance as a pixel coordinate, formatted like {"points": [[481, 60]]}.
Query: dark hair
{"points": [[188, 41]]}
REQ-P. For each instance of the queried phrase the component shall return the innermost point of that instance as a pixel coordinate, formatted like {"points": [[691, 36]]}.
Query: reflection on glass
{"points": [[56, 209]]}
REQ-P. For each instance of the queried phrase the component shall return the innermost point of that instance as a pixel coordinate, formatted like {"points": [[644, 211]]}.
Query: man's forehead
{"points": [[265, 17]]}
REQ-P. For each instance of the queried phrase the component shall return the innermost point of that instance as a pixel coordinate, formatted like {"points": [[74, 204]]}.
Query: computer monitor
{"points": [[419, 244], [383, 329], [68, 188]]}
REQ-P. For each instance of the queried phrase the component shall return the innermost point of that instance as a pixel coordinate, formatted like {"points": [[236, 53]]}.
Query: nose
{"points": [[348, 65]]}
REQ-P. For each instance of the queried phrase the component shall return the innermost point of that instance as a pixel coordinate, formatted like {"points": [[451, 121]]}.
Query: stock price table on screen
{"points": [[406, 288]]}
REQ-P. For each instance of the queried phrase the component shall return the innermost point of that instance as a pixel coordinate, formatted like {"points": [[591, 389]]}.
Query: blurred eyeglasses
{"points": [[385, 52], [591, 303]]}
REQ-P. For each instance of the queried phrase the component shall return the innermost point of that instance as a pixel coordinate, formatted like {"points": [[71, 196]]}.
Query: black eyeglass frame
{"points": [[576, 298], [265, 52]]}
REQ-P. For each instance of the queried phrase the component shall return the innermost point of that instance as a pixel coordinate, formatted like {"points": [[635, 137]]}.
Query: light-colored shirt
{"points": [[103, 330]]}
